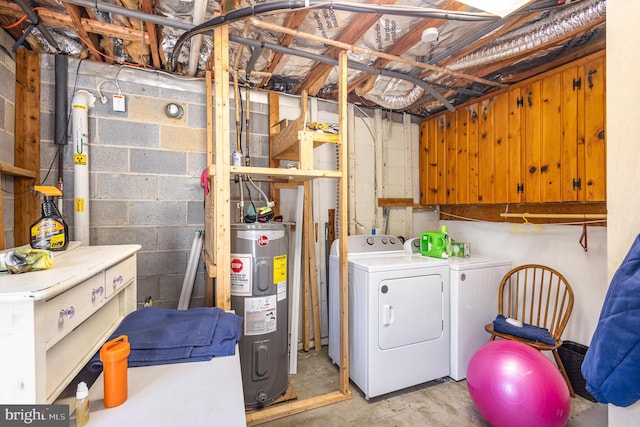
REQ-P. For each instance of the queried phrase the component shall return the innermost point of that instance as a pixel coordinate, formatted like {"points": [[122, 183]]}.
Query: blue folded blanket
{"points": [[528, 332], [160, 336]]}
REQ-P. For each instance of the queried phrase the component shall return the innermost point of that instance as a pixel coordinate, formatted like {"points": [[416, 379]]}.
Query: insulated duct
{"points": [[394, 102], [557, 25], [80, 105]]}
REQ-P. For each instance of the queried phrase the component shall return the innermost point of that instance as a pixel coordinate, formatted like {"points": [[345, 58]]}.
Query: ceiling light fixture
{"points": [[430, 35], [501, 8]]}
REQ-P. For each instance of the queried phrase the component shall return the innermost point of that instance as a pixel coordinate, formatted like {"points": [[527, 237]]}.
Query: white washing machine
{"points": [[474, 284], [398, 315]]}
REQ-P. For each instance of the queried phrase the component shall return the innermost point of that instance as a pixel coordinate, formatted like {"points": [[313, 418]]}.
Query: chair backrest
{"points": [[537, 295]]}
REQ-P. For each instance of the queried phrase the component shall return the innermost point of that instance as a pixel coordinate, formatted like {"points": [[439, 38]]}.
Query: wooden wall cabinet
{"points": [[539, 141]]}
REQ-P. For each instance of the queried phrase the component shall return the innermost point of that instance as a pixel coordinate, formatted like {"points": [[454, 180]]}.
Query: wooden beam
{"points": [[279, 411], [89, 40], [153, 34], [27, 142], [409, 40], [351, 47], [209, 202], [342, 207], [395, 202], [61, 20], [222, 197], [7, 169], [353, 31], [106, 43]]}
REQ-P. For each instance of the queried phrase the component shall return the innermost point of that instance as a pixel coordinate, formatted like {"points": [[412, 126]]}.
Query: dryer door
{"points": [[410, 310]]}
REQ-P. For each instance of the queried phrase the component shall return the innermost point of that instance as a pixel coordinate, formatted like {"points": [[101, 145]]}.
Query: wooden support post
{"points": [[306, 269], [342, 208], [27, 145], [209, 207], [311, 264], [222, 196], [311, 306]]}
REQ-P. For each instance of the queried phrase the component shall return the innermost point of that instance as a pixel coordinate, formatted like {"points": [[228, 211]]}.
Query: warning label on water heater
{"points": [[241, 268], [260, 315]]}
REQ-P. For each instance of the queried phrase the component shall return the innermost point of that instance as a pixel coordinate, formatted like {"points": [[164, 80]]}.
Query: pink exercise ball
{"points": [[513, 384]]}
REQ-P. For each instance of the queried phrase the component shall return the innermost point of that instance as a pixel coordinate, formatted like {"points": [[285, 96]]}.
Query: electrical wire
{"points": [[266, 199], [21, 19]]}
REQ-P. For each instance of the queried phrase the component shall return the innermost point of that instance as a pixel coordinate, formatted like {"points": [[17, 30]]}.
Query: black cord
{"points": [[60, 144]]}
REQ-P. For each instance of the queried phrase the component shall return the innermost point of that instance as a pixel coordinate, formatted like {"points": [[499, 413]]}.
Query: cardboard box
{"points": [[461, 249]]}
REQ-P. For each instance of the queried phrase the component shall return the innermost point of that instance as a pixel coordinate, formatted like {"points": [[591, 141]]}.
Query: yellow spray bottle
{"points": [[50, 231]]}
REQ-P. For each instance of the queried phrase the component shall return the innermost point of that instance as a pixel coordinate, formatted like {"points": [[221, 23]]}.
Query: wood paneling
{"points": [[594, 125], [541, 141]]}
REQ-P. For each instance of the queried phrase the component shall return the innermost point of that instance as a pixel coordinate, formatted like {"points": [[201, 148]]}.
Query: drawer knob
{"points": [[66, 312], [96, 292], [117, 281]]}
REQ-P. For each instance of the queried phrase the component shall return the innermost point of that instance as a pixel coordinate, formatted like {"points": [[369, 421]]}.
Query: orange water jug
{"points": [[113, 355]]}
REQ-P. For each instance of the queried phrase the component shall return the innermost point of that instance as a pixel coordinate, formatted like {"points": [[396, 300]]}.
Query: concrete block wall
{"points": [[7, 134], [144, 167]]}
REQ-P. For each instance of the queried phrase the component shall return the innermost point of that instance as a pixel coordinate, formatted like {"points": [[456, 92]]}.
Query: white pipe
{"points": [[199, 10], [80, 105]]}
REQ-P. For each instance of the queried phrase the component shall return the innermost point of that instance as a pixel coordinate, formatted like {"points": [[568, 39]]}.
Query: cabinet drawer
{"points": [[66, 311], [119, 275], [69, 355]]}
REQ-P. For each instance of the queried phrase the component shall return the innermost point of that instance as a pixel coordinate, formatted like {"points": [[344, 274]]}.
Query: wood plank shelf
{"points": [[8, 169], [292, 174]]}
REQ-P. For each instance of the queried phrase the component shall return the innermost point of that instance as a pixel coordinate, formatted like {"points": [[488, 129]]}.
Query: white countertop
{"points": [[183, 394], [65, 272]]}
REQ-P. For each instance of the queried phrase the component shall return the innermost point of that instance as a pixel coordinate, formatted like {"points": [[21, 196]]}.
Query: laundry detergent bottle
{"points": [[50, 232]]}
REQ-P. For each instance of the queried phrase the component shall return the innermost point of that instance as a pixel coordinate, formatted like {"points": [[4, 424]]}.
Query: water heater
{"points": [[259, 255]]}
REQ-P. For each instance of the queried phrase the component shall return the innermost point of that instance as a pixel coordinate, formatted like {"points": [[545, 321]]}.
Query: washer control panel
{"points": [[374, 243]]}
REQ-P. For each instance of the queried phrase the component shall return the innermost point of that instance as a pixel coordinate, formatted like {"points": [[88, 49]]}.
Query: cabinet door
{"points": [[462, 156], [514, 138], [474, 191], [486, 161], [594, 131], [501, 167], [571, 137], [441, 160], [550, 139], [451, 138], [531, 143]]}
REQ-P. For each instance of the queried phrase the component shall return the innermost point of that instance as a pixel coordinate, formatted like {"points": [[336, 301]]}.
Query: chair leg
{"points": [[493, 337], [563, 371]]}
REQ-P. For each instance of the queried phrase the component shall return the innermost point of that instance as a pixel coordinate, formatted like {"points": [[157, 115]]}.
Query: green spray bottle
{"points": [[50, 231]]}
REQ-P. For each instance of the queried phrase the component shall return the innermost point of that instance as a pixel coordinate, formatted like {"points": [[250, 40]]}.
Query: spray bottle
{"points": [[50, 231]]}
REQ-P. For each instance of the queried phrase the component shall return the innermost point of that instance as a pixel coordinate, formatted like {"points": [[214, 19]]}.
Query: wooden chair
{"points": [[540, 296]]}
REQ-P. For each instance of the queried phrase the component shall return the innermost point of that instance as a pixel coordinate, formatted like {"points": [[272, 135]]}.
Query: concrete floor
{"points": [[443, 402]]}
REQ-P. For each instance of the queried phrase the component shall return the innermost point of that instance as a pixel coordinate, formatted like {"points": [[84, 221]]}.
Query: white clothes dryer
{"points": [[474, 284], [398, 315]]}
